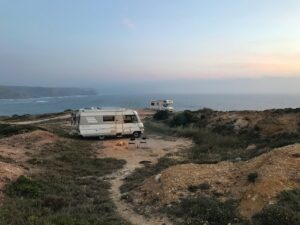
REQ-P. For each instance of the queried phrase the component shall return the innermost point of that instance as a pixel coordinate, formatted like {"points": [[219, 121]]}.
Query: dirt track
{"points": [[27, 122], [154, 149]]}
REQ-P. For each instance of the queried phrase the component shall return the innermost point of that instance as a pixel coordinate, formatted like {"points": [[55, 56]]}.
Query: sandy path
{"points": [[39, 121], [155, 149]]}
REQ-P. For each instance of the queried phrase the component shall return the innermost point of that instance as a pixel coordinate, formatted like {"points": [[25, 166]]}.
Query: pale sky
{"points": [[94, 42]]}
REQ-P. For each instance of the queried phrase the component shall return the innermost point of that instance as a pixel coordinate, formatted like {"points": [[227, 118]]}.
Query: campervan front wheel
{"points": [[136, 134]]}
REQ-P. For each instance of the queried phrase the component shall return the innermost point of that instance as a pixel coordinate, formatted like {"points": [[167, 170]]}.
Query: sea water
{"points": [[181, 101]]}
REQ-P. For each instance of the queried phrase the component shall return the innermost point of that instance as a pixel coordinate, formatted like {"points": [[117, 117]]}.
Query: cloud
{"points": [[128, 23]]}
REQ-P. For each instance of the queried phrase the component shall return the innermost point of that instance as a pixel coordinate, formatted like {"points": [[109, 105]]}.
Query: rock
{"points": [[157, 177], [251, 147], [121, 143], [240, 124], [238, 159]]}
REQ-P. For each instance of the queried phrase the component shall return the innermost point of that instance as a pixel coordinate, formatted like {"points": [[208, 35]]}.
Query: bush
{"points": [[284, 212], [25, 187], [252, 177], [282, 139], [213, 147], [290, 199], [225, 129], [182, 119], [161, 115], [7, 130], [199, 210], [277, 215], [203, 186], [55, 203]]}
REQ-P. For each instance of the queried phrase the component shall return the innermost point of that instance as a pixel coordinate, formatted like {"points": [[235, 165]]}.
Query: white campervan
{"points": [[162, 105], [97, 122]]}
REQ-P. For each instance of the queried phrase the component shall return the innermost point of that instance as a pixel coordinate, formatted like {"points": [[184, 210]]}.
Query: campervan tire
{"points": [[136, 134], [101, 137]]}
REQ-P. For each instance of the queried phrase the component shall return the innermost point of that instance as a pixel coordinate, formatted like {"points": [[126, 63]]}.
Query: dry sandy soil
{"points": [[154, 149], [16, 150], [277, 170]]}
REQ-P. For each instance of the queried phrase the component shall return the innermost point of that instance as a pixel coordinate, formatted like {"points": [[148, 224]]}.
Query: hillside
{"points": [[200, 167], [20, 92]]}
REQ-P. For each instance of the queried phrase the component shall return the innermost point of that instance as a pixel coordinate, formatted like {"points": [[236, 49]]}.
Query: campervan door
{"points": [[118, 123], [132, 122]]}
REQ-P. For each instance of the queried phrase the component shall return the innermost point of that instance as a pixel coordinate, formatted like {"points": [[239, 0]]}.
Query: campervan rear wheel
{"points": [[136, 134], [101, 137]]}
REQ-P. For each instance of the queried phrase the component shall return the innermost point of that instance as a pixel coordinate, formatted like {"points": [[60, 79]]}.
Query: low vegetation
{"points": [[7, 130], [68, 190], [252, 177], [202, 186], [29, 117], [161, 115], [285, 212], [139, 175], [202, 210], [214, 143]]}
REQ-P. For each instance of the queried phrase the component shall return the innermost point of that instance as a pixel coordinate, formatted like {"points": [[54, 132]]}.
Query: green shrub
{"points": [[158, 128], [213, 147], [225, 129], [277, 215], [252, 177], [203, 186], [55, 203], [282, 139], [161, 115], [7, 130], [284, 212], [199, 210], [290, 199], [25, 187], [6, 159], [182, 119]]}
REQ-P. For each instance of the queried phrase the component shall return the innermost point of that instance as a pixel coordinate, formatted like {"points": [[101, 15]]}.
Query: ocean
{"points": [[224, 102]]}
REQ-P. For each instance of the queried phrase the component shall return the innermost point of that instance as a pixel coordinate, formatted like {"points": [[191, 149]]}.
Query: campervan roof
{"points": [[163, 100], [97, 109]]}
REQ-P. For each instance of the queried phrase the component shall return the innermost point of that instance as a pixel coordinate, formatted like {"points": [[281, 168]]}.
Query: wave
{"points": [[41, 101]]}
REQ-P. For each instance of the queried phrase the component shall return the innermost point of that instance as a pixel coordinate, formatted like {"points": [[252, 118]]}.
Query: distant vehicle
{"points": [[166, 105], [97, 122]]}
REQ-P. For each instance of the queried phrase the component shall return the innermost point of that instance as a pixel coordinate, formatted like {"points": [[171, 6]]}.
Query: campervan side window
{"points": [[130, 119], [91, 120], [88, 120], [108, 118]]}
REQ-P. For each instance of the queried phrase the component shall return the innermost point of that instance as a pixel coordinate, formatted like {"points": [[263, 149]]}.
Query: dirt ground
{"points": [[277, 170], [19, 147], [16, 150], [154, 149]]}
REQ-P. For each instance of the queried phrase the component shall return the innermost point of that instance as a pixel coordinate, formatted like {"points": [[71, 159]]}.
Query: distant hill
{"points": [[19, 92]]}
